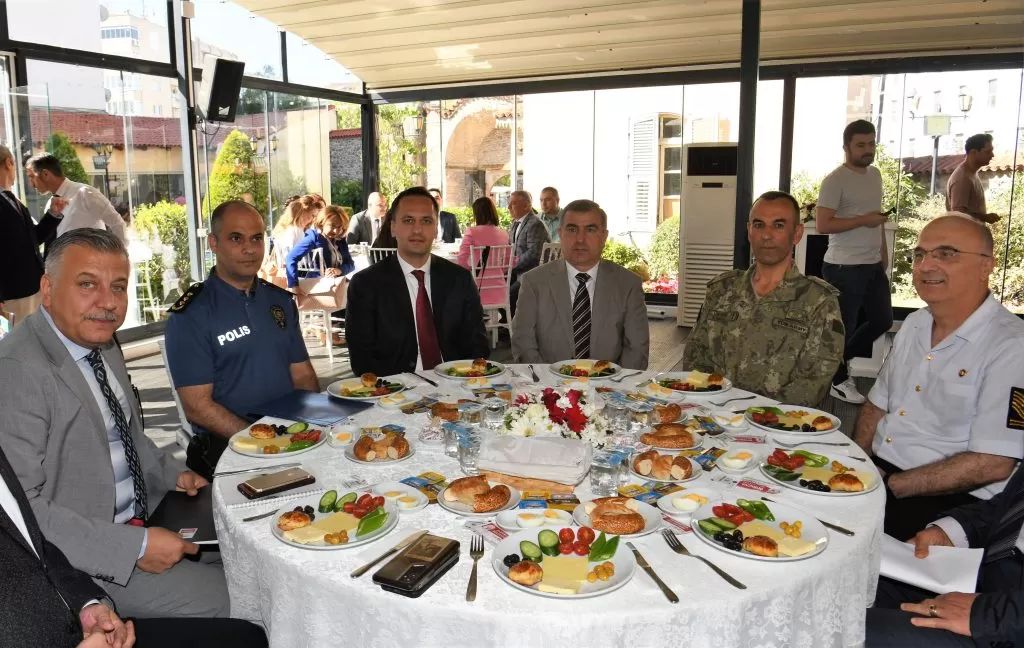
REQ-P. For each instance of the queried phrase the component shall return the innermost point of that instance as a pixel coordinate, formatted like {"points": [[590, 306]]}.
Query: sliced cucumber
{"points": [[295, 428], [327, 501], [725, 525], [548, 541], [530, 551], [347, 498], [708, 527]]}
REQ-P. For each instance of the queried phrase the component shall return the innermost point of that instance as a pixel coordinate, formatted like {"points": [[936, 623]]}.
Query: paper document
{"points": [[946, 569]]}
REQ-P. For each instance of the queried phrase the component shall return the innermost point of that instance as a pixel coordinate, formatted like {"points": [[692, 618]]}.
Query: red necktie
{"points": [[430, 352]]}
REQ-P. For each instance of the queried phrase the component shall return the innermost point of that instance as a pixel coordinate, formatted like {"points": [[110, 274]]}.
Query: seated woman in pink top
{"points": [[485, 232]]}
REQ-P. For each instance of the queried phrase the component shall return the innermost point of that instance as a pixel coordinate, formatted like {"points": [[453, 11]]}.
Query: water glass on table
{"points": [[494, 412], [469, 452], [471, 413], [618, 415], [451, 439], [640, 415], [608, 472]]}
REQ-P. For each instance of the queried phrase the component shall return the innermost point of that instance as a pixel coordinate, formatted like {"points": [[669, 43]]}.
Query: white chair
{"points": [[185, 434], [493, 284], [550, 252], [379, 254], [320, 319]]}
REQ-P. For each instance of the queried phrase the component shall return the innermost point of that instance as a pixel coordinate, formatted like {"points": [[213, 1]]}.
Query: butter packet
{"points": [[429, 483], [709, 457], [649, 492], [708, 425], [418, 406], [546, 499]]}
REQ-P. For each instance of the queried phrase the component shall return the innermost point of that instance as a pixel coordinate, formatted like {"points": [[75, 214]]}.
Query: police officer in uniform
{"points": [[770, 329], [233, 341]]}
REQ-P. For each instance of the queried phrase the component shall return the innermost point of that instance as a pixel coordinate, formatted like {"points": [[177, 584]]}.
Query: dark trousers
{"points": [[905, 517], [861, 288], [198, 633]]}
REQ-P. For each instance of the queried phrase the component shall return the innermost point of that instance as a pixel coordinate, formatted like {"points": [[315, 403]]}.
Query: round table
{"points": [[307, 598]]}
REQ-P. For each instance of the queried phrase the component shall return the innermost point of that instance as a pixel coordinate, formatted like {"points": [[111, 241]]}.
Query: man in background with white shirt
{"points": [[413, 310], [365, 225], [849, 211], [86, 207]]}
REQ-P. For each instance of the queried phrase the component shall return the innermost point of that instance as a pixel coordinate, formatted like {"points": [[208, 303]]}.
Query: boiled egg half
{"points": [[530, 520], [407, 502], [737, 460], [690, 502], [392, 496]]}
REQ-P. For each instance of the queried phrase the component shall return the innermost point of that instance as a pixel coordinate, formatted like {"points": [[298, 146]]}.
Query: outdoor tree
{"points": [[59, 145], [166, 221], [399, 154], [236, 176], [252, 101]]}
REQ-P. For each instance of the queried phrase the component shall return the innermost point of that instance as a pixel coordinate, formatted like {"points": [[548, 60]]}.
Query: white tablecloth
{"points": [[307, 598]]}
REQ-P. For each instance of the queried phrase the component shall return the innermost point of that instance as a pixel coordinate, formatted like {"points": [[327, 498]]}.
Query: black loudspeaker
{"points": [[217, 98]]}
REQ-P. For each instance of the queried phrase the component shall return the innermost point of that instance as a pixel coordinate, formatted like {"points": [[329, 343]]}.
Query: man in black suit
{"points": [[21, 265], [994, 616], [413, 310], [47, 603], [449, 225]]}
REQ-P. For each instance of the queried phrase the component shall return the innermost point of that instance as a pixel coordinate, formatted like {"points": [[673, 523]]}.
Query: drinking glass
{"points": [[471, 413], [639, 417], [451, 440], [469, 452], [608, 472], [494, 412], [618, 416]]}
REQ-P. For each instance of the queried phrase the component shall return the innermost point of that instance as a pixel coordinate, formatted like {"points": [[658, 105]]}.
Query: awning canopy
{"points": [[392, 44]]}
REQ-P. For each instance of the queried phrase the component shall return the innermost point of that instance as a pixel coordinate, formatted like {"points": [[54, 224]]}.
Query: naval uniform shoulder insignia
{"points": [[187, 298]]}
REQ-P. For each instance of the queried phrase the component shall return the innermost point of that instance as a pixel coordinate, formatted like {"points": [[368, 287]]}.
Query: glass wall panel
{"points": [[227, 30], [308, 65]]}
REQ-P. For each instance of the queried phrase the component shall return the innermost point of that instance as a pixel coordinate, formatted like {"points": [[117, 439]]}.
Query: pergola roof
{"points": [[392, 44]]}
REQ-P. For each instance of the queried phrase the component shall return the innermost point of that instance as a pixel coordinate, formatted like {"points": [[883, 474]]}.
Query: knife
{"points": [[834, 527], [263, 469], [640, 560], [533, 373], [398, 547], [425, 379]]}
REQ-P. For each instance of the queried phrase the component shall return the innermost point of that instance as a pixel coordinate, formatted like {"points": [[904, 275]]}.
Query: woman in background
{"points": [[486, 232], [325, 234], [296, 219]]}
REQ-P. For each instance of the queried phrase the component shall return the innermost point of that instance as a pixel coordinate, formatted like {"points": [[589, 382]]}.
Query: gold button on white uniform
{"points": [[929, 356], [888, 439], [918, 388], [903, 413]]}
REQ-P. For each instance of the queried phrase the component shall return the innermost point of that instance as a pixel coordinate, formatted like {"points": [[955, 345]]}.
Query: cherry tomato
{"points": [[586, 534], [349, 507], [731, 509], [719, 511], [566, 535], [780, 453], [565, 548], [748, 516], [736, 519], [580, 548], [776, 461], [365, 497], [378, 501]]}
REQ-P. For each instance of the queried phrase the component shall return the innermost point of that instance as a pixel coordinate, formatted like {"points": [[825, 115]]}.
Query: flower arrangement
{"points": [[570, 415]]}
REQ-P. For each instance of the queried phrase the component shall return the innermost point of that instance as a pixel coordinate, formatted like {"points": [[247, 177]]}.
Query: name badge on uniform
{"points": [[792, 325], [1015, 411], [278, 314]]}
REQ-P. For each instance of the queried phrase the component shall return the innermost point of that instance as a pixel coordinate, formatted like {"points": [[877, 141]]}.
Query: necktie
{"points": [[512, 234], [430, 352], [581, 317], [121, 423], [1004, 536]]}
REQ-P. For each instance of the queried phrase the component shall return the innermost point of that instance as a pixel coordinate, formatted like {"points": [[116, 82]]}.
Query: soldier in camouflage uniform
{"points": [[770, 329]]}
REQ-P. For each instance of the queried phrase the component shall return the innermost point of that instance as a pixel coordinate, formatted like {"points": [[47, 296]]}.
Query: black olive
{"points": [[806, 428], [804, 482], [298, 509], [714, 387], [720, 536], [511, 559]]}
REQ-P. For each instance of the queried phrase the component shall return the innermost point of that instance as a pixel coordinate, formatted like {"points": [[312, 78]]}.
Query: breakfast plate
{"points": [[651, 516], [403, 497], [514, 520], [467, 369], [351, 456], [314, 534], [664, 473], [819, 474], [693, 384], [792, 419], [365, 388], [593, 369], [666, 436], [764, 535], [694, 499], [466, 510], [567, 584], [244, 443]]}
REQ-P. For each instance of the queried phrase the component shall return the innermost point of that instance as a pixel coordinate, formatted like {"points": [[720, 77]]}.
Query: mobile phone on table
{"points": [[277, 482], [419, 566]]}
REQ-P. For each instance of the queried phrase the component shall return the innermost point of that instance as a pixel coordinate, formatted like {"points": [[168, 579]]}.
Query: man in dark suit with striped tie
{"points": [[993, 616]]}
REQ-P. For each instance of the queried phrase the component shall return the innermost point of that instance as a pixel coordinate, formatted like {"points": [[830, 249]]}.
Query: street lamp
{"points": [[102, 161], [935, 126]]}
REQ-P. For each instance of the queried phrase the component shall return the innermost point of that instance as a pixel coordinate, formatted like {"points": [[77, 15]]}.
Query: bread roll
{"points": [[761, 546], [293, 520], [525, 572], [526, 483], [262, 431], [492, 500], [682, 468], [362, 449], [466, 488], [644, 462], [668, 413], [846, 482], [368, 379], [662, 467]]}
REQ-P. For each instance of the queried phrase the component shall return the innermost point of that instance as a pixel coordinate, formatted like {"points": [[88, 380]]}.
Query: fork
{"points": [[732, 400], [625, 375], [676, 546], [476, 552]]}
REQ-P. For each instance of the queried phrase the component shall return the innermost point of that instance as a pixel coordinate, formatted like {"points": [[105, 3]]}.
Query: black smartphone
{"points": [[419, 566]]}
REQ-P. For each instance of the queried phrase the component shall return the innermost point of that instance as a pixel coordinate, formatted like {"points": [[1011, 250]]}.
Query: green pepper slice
{"points": [[811, 459], [756, 508]]}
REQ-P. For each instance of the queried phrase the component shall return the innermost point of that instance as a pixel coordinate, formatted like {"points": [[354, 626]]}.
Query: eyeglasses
{"points": [[942, 254]]}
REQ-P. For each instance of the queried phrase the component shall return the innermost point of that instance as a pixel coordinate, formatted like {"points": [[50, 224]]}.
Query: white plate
{"points": [[755, 459], [665, 503], [813, 530], [698, 441], [681, 375], [334, 389], [810, 410], [843, 459], [652, 519], [553, 368], [275, 421], [441, 368], [350, 450], [465, 510], [625, 567], [314, 500], [406, 489], [695, 473], [508, 519]]}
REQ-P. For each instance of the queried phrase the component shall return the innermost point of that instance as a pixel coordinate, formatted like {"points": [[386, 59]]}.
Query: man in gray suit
{"points": [[527, 236], [581, 306], [365, 225], [73, 434]]}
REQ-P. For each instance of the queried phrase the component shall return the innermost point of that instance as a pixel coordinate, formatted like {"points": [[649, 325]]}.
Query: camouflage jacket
{"points": [[785, 345]]}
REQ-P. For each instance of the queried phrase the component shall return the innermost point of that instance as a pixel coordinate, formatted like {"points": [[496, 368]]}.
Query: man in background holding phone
{"points": [[849, 211]]}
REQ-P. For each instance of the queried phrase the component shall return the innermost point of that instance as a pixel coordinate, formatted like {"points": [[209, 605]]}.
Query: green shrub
{"points": [[59, 145], [621, 253], [348, 193], [235, 176], [663, 253], [168, 221]]}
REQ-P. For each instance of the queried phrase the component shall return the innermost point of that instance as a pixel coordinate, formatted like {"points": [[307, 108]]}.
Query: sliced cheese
{"points": [[393, 399], [250, 444], [568, 568], [558, 586], [825, 474], [306, 535], [698, 378], [337, 522], [788, 545]]}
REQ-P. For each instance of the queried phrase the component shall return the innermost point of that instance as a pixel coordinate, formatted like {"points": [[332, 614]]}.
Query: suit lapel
{"points": [[559, 286], [6, 523]]}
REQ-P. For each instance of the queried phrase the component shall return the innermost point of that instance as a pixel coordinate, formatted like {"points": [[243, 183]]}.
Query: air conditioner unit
{"points": [[706, 222]]}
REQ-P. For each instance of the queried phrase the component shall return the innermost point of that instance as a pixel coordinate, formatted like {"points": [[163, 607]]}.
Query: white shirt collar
{"points": [[77, 351], [64, 189], [572, 272], [973, 328], [407, 267]]}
